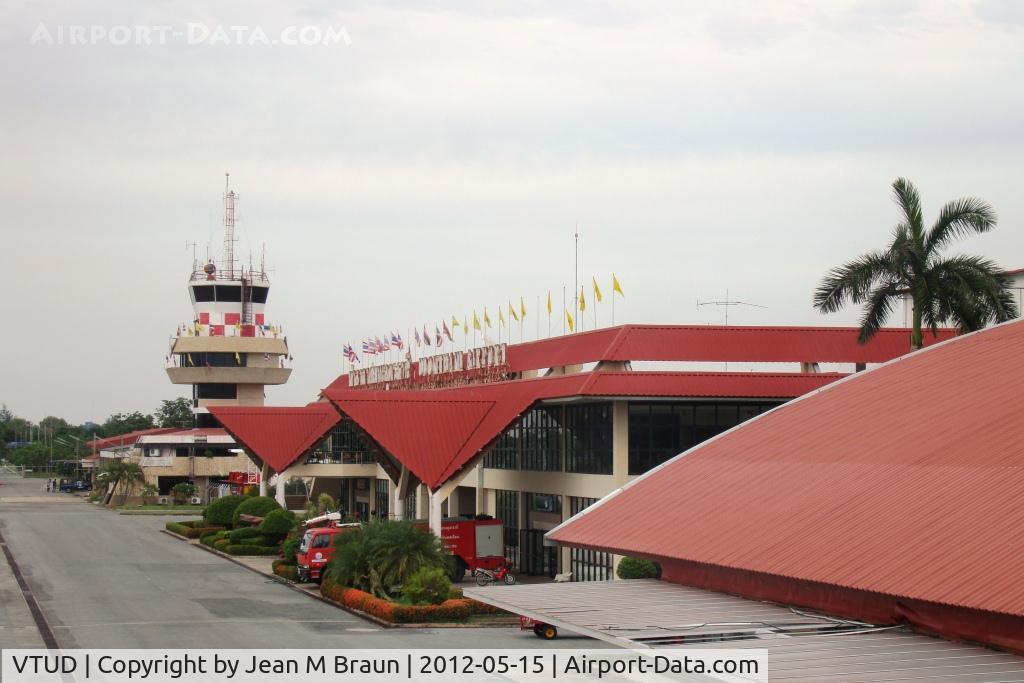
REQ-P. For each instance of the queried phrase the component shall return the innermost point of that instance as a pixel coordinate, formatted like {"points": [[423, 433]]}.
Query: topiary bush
{"points": [[427, 586], [257, 506], [191, 529], [635, 568], [221, 511], [277, 523], [290, 547], [244, 534]]}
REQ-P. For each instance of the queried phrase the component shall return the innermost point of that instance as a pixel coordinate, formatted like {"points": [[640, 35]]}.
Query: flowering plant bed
{"points": [[456, 609]]}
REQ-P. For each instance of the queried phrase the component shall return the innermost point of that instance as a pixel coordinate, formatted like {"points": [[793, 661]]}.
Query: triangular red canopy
{"points": [[278, 436]]}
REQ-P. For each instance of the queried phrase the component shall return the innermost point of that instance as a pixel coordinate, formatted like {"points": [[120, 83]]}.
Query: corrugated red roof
{"points": [[277, 436], [437, 432], [128, 439], [905, 480], [706, 343]]}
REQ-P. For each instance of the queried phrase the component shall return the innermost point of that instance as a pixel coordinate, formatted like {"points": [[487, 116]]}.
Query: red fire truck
{"points": [[474, 543]]}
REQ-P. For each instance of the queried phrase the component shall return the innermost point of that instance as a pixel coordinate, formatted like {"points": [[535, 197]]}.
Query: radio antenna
{"points": [[727, 303]]}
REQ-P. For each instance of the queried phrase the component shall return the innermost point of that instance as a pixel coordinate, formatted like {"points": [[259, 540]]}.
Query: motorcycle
{"points": [[486, 577]]}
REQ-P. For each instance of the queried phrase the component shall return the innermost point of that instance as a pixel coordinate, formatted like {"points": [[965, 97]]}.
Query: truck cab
{"points": [[316, 549]]}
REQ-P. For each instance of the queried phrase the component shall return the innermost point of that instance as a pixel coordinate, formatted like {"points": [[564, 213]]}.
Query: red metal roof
{"points": [[128, 439], [437, 432], [714, 344], [277, 436], [706, 343], [905, 480]]}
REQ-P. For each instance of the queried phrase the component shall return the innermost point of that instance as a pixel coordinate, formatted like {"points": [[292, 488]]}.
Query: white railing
{"points": [[158, 461]]}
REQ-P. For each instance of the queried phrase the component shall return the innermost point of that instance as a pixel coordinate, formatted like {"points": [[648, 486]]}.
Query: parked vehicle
{"points": [[539, 628], [475, 543], [68, 486], [485, 577]]}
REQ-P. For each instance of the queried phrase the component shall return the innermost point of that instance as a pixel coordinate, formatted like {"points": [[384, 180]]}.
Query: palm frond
{"points": [[906, 196], [971, 292], [958, 219], [877, 310], [853, 281]]}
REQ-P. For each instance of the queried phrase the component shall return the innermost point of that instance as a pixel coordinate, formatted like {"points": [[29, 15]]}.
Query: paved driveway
{"points": [[108, 580]]}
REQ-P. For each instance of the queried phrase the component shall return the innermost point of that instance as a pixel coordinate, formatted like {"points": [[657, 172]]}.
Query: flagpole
{"points": [[564, 309], [576, 272], [613, 303]]}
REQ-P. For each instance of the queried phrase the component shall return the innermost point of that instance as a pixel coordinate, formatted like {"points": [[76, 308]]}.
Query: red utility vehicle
{"points": [[474, 543]]}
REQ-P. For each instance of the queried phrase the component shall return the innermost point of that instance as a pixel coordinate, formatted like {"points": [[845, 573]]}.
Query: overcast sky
{"points": [[438, 160]]}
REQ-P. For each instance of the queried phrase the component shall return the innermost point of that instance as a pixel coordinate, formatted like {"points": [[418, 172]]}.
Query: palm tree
{"points": [[120, 473], [966, 291]]}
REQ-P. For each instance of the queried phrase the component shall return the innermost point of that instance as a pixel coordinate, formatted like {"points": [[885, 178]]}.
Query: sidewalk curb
{"points": [[317, 596]]}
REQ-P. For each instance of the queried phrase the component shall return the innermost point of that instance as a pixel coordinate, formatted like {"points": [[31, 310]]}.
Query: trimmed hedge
{"points": [[635, 568], [278, 523], [221, 511], [258, 506], [448, 611], [244, 534], [285, 570], [248, 549], [187, 530]]}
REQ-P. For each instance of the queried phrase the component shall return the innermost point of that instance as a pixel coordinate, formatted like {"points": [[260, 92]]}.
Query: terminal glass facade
{"points": [[345, 445], [660, 431], [557, 438]]}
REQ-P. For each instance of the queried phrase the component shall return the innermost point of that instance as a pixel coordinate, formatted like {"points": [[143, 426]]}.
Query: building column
{"points": [[481, 507], [264, 473], [372, 485], [280, 489], [453, 503], [434, 516], [564, 551], [423, 502], [620, 442]]}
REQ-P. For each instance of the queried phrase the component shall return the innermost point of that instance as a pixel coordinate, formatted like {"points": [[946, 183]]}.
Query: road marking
{"points": [[239, 620]]}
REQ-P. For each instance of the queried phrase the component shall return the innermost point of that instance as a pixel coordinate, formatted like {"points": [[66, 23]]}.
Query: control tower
{"points": [[229, 352]]}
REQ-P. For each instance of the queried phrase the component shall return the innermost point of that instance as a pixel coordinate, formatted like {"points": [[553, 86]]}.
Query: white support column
{"points": [[434, 518], [264, 473], [481, 507], [280, 488]]}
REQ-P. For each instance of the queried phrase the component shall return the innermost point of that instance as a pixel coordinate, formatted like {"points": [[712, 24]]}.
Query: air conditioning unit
{"points": [[152, 452], [196, 500], [164, 500]]}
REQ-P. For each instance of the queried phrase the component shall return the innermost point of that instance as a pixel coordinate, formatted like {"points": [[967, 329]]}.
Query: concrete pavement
{"points": [[107, 580]]}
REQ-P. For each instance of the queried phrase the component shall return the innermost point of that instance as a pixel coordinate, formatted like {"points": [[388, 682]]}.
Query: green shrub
{"points": [[427, 586], [230, 549], [244, 534], [191, 529], [258, 506], [285, 570], [635, 568], [290, 547], [383, 555], [278, 523], [222, 510]]}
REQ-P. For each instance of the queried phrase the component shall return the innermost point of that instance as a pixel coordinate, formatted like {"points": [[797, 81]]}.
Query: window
{"points": [[660, 431], [545, 502], [589, 432], [585, 564], [203, 293], [259, 294], [216, 391], [212, 359], [229, 293], [322, 540], [346, 444], [575, 438], [382, 498]]}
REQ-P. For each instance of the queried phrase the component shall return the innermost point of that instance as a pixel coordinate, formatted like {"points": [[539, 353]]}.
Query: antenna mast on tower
{"points": [[229, 228]]}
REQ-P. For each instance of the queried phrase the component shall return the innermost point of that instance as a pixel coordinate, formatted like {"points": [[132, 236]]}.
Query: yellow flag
{"points": [[568, 319], [189, 356], [597, 290], [465, 325], [501, 317], [522, 307], [455, 322], [476, 321], [616, 287], [583, 300], [487, 318], [549, 302], [238, 359], [512, 312]]}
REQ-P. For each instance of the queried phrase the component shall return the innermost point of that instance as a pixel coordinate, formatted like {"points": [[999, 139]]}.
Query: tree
{"points": [[175, 412], [122, 423], [966, 291], [123, 474]]}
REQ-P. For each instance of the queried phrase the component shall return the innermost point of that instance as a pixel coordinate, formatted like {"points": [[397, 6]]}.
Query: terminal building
{"points": [[535, 433]]}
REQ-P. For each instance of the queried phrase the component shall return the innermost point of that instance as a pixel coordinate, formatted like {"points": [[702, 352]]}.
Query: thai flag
{"points": [[426, 337], [437, 335], [368, 347], [418, 341], [447, 332], [350, 354], [396, 341]]}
